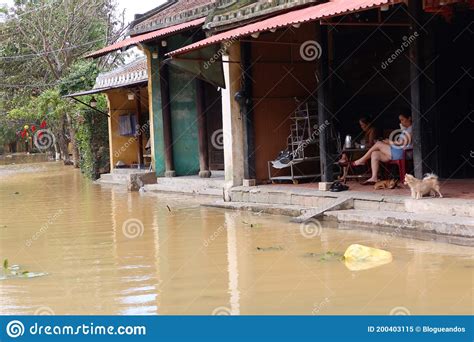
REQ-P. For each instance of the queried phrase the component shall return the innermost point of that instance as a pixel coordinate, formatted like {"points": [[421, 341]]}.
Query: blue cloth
{"points": [[397, 153]]}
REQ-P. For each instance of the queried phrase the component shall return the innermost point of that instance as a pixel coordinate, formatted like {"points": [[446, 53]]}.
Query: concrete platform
{"points": [[455, 229], [213, 186], [132, 178], [447, 219]]}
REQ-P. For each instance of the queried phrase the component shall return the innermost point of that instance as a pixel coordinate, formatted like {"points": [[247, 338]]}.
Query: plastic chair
{"points": [[402, 164]]}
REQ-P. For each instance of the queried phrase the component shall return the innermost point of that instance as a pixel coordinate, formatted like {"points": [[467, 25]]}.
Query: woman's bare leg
{"points": [[376, 158], [378, 147]]}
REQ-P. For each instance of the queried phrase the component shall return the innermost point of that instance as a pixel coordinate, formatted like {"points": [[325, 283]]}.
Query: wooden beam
{"points": [[204, 171], [415, 15], [323, 103], [166, 114]]}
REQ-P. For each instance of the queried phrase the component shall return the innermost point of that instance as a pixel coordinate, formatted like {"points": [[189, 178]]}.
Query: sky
{"points": [[137, 6], [131, 6]]}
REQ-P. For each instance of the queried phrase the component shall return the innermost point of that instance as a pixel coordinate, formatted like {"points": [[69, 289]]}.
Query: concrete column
{"points": [[232, 124]]}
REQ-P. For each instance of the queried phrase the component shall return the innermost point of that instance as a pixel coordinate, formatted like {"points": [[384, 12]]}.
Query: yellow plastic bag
{"points": [[359, 257]]}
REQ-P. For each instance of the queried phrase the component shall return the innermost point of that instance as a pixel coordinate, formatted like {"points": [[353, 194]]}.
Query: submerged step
{"points": [[338, 203], [429, 223]]}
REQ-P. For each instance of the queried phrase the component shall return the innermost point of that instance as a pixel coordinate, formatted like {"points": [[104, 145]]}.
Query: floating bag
{"points": [[359, 257]]}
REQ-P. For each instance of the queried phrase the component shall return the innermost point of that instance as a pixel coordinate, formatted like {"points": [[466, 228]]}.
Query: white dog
{"points": [[422, 187]]}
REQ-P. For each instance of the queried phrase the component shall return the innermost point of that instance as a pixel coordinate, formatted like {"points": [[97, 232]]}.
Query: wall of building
{"points": [[183, 114], [124, 148], [279, 75]]}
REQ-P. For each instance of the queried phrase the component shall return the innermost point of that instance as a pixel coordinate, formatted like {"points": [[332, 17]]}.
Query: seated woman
{"points": [[370, 134], [388, 149]]}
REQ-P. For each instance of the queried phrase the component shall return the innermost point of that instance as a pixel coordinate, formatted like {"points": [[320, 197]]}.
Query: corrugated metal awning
{"points": [[147, 37], [328, 9], [104, 89]]}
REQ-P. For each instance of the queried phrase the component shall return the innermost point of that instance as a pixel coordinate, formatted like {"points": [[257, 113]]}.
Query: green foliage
{"points": [[92, 138]]}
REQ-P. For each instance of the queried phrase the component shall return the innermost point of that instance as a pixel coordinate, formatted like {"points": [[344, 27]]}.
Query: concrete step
{"points": [[456, 226], [287, 210], [199, 190], [109, 178], [444, 206], [338, 204], [193, 182], [311, 198]]}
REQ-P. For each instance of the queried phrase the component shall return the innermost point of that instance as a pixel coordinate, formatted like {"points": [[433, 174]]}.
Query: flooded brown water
{"points": [[107, 251]]}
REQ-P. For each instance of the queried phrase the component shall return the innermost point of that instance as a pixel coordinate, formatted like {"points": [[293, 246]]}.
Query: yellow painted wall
{"points": [[124, 148]]}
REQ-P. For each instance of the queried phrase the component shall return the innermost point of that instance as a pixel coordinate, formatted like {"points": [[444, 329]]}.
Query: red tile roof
{"points": [[182, 10]]}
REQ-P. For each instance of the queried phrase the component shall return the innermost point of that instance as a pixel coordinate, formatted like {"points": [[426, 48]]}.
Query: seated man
{"points": [[388, 149]]}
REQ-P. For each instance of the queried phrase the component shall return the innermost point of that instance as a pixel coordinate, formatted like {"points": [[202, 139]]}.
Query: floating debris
{"points": [[16, 193], [328, 256], [15, 271], [252, 225], [267, 249], [169, 209], [359, 257], [3, 226]]}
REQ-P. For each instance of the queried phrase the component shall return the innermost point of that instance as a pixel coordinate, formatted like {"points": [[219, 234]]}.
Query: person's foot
{"points": [[358, 162], [370, 181]]}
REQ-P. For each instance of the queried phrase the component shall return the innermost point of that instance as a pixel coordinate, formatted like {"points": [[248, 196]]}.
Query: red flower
{"points": [[33, 128], [43, 124], [40, 134], [23, 133]]}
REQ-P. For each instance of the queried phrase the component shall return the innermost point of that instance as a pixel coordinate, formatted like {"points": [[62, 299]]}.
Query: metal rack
{"points": [[302, 143]]}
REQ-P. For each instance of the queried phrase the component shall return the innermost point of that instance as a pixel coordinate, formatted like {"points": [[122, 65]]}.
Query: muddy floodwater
{"points": [[106, 251]]}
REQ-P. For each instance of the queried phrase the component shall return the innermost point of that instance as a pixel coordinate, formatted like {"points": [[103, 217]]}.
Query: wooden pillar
{"points": [[323, 103], [166, 113], [247, 112], [204, 171], [415, 11], [139, 127]]}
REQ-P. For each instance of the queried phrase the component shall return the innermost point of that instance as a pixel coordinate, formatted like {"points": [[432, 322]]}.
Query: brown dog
{"points": [[422, 187], [386, 184]]}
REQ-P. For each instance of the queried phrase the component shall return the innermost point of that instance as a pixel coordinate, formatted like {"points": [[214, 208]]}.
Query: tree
{"points": [[41, 40]]}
